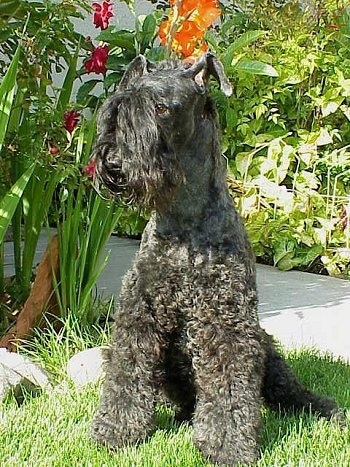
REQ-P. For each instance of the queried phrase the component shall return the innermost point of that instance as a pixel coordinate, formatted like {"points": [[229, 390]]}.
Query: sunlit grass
{"points": [[53, 429]]}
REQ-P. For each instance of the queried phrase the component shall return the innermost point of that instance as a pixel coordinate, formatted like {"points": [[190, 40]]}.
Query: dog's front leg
{"points": [[126, 411], [228, 374]]}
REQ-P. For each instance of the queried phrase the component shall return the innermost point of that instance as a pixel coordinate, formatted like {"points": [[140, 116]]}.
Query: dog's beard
{"points": [[150, 184], [133, 160]]}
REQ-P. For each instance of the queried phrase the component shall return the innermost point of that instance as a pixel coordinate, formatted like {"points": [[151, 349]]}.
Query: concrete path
{"points": [[299, 309], [305, 310]]}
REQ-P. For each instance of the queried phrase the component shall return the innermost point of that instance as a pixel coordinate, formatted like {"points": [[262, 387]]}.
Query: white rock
{"points": [[17, 371], [86, 366]]}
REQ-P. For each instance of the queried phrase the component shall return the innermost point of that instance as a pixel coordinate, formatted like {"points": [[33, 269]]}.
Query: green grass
{"points": [[53, 429]]}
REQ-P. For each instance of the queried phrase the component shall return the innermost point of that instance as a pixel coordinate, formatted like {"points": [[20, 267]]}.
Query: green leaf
{"points": [[111, 79], [211, 40], [287, 263], [85, 89], [284, 248], [148, 32], [7, 92], [310, 254], [255, 67], [243, 160], [116, 63], [228, 25], [66, 90], [157, 54], [36, 207], [10, 201], [330, 107], [11, 9], [239, 44], [120, 38], [231, 117]]}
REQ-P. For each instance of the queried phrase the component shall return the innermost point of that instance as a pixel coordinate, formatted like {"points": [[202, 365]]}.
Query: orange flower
{"points": [[185, 39], [186, 27], [203, 12], [198, 51], [164, 31], [188, 37]]}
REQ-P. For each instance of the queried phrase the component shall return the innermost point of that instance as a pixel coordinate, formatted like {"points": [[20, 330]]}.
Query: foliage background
{"points": [[286, 138], [285, 134]]}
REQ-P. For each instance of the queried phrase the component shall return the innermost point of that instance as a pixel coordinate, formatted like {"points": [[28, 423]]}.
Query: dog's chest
{"points": [[180, 280]]}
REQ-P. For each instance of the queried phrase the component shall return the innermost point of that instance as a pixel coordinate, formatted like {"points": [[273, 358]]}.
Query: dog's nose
{"points": [[110, 161]]}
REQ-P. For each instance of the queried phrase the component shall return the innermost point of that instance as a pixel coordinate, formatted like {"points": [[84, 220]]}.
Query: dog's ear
{"points": [[208, 65], [139, 66]]}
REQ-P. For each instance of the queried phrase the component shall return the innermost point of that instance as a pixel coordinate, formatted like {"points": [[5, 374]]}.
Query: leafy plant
{"points": [[7, 90], [285, 139], [85, 222], [285, 129], [47, 144]]}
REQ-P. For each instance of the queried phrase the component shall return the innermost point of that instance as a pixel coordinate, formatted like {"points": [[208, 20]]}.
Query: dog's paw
{"points": [[116, 432], [106, 433], [338, 416]]}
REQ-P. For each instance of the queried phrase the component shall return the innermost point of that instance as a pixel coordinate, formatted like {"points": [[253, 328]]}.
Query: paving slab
{"points": [[305, 310], [299, 309]]}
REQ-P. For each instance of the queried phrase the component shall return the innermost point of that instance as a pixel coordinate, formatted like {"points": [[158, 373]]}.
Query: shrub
{"points": [[286, 138]]}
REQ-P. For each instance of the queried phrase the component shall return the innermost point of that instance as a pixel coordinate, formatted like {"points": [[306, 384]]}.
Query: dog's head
{"points": [[149, 122]]}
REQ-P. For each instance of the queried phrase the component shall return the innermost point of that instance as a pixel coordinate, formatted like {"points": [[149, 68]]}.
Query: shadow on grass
{"points": [[319, 373], [322, 374], [165, 419]]}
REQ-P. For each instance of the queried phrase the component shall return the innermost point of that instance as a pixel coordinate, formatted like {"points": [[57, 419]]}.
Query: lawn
{"points": [[53, 429]]}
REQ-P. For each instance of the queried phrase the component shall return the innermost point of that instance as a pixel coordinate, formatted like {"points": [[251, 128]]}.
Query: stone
{"points": [[86, 366], [18, 372]]}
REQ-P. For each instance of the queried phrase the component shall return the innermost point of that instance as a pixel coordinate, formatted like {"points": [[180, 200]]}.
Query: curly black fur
{"points": [[187, 322]]}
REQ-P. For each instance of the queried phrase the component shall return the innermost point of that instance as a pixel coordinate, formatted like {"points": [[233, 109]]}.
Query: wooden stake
{"points": [[41, 299]]}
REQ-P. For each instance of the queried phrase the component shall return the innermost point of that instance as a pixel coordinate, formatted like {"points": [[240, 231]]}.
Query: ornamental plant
{"points": [[34, 138], [84, 222], [97, 62], [183, 31], [293, 200], [43, 182], [286, 140]]}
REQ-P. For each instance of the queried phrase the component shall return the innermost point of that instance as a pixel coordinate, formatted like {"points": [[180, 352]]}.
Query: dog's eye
{"points": [[161, 109]]}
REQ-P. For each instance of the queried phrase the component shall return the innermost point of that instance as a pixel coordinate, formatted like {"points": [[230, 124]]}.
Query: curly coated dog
{"points": [[187, 322]]}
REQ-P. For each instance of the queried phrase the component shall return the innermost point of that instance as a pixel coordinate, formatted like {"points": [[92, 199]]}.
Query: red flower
{"points": [[54, 150], [71, 120], [102, 14], [90, 169], [97, 62]]}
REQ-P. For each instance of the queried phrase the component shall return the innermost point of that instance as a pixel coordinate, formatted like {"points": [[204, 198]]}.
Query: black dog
{"points": [[187, 321]]}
